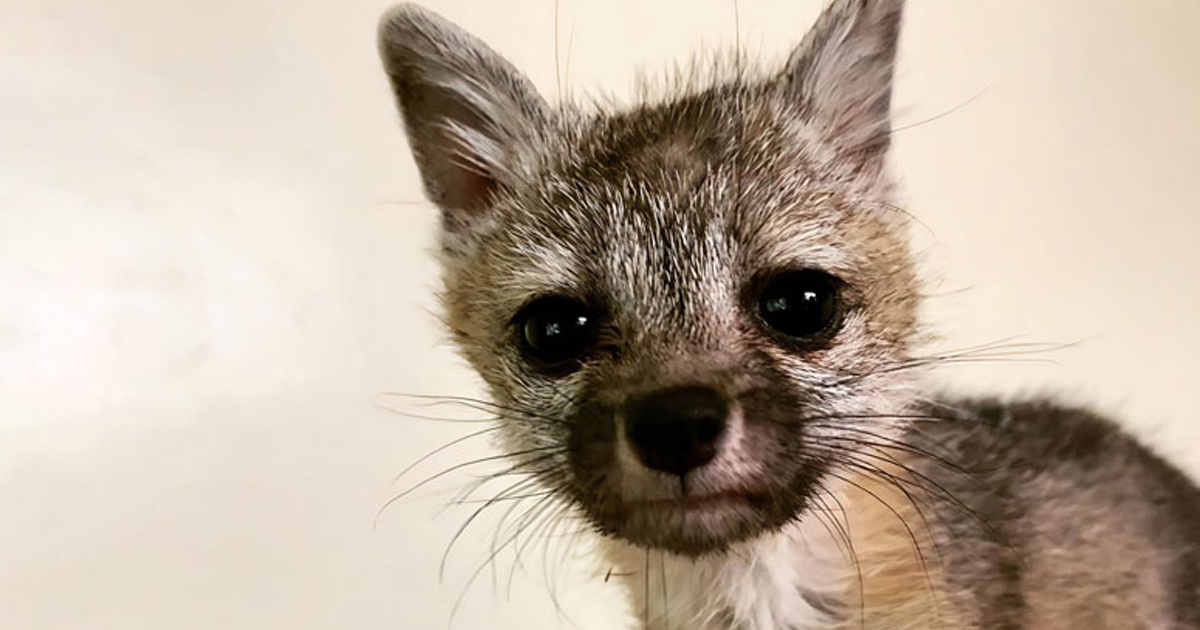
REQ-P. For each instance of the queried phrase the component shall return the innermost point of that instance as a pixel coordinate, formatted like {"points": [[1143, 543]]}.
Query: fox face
{"points": [[686, 311]]}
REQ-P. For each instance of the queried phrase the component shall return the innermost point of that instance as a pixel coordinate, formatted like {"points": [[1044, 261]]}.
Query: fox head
{"points": [[685, 310]]}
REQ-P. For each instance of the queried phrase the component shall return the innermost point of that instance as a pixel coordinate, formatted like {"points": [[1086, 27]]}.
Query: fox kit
{"points": [[697, 319]]}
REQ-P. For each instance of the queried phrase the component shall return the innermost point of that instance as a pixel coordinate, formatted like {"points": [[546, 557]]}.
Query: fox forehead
{"points": [[619, 208]]}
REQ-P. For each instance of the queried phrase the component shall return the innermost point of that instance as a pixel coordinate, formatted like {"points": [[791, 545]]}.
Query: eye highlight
{"points": [[555, 331], [804, 305]]}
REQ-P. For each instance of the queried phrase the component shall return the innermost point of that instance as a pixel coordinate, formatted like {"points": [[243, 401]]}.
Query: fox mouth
{"points": [[710, 501], [698, 523]]}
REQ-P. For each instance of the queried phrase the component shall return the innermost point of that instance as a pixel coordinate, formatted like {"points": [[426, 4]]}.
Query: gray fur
{"points": [[664, 217], [1072, 523]]}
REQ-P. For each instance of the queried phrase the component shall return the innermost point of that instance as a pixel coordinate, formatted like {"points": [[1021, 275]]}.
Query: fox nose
{"points": [[676, 430]]}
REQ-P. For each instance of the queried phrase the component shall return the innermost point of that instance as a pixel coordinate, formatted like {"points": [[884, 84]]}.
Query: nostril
{"points": [[709, 429], [676, 430]]}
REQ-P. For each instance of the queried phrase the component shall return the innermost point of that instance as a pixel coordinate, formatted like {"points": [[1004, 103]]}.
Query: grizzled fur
{"points": [[859, 504]]}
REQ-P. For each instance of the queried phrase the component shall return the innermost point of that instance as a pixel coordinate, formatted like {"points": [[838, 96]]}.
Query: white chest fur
{"points": [[782, 581]]}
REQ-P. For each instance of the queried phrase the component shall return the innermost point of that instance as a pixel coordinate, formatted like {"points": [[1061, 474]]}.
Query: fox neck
{"points": [[786, 579], [857, 566]]}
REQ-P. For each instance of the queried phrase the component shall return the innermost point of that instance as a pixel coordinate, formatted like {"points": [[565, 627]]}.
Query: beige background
{"points": [[213, 257]]}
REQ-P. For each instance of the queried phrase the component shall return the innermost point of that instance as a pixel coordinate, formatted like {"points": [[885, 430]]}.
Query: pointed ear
{"points": [[468, 113], [842, 76]]}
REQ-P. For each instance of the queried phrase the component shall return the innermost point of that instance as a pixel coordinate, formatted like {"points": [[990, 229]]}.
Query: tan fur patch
{"points": [[901, 587]]}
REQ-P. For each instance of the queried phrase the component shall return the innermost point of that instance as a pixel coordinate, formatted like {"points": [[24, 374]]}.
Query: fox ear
{"points": [[467, 111], [842, 76]]}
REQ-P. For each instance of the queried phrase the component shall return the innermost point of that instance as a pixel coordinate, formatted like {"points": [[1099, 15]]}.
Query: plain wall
{"points": [[214, 258]]}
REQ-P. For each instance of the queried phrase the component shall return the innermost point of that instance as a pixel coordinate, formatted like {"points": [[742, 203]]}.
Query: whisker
{"points": [[662, 571], [557, 69], [518, 486], [548, 536], [885, 442], [646, 593], [538, 506], [848, 461], [440, 449], [567, 64], [532, 495], [429, 418], [939, 116], [945, 359], [477, 404], [552, 451], [938, 489], [843, 530], [524, 468], [903, 523], [542, 451]]}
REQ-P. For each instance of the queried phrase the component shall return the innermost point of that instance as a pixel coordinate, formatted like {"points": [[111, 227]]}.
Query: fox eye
{"points": [[804, 305], [555, 331]]}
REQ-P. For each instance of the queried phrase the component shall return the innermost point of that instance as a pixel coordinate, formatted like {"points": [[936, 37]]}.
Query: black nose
{"points": [[676, 430]]}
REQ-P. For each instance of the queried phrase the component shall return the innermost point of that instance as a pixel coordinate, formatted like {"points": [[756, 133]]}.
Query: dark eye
{"points": [[555, 330], [802, 304]]}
